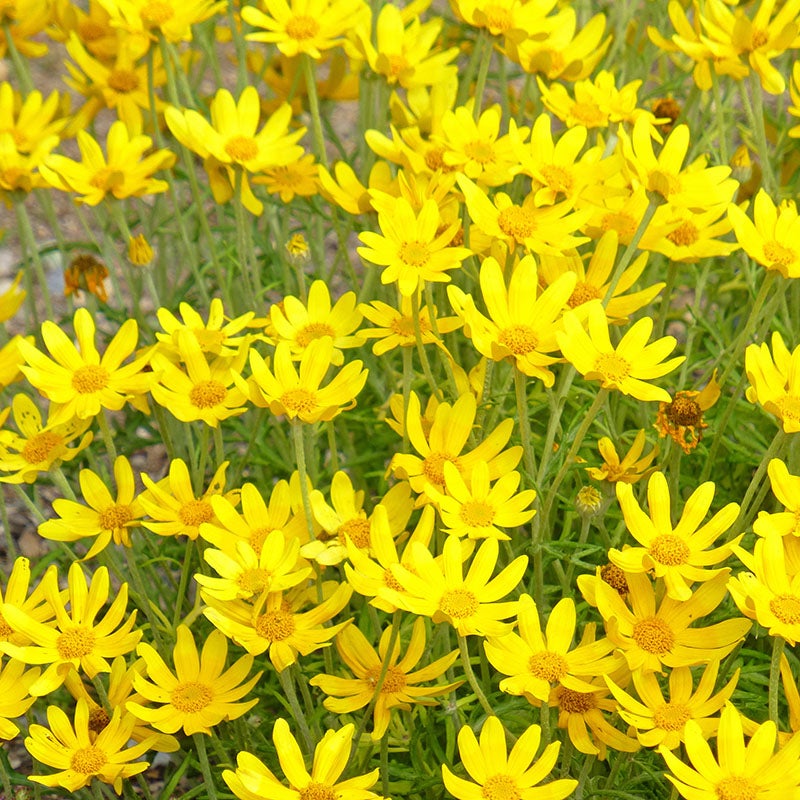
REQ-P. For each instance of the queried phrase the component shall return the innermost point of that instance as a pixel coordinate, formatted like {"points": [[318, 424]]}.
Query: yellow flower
{"points": [[626, 367], [346, 695], [686, 235], [15, 698], [299, 395], [794, 91], [275, 623], [105, 517], [298, 178], [29, 120], [140, 253], [77, 640], [651, 637], [522, 321], [127, 172], [770, 239], [79, 380], [445, 441], [631, 468], [11, 360], [661, 722], [480, 510], [682, 418], [497, 773], [38, 448], [172, 18], [34, 606], [739, 771], [11, 299], [775, 380], [304, 26], [198, 695], [71, 749], [230, 141], [19, 172], [535, 662], [786, 488], [253, 779], [26, 19], [677, 554], [439, 589], [412, 247]]}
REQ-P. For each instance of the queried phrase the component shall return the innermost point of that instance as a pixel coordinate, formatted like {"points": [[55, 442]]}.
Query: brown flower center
{"points": [[357, 530], [115, 517], [98, 719], [433, 466], [653, 635], [684, 235], [195, 512], [684, 410], [786, 607], [582, 293], [38, 448], [123, 80], [575, 702], [615, 578], [393, 681]]}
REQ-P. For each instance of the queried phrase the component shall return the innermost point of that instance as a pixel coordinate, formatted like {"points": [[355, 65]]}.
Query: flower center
{"points": [[98, 719], [404, 327], [156, 13], [301, 27], [519, 339], [38, 448], [254, 581], [275, 626], [315, 330], [654, 636], [5, 629], [498, 18], [115, 517], [433, 466], [242, 148], [414, 254], [106, 178], [91, 31], [88, 760], [684, 410], [786, 607], [582, 293], [89, 379], [788, 406], [517, 222], [671, 717], [684, 235], [614, 576], [624, 224], [500, 787], [548, 666], [480, 151], [557, 178], [257, 538], [317, 791], [477, 514], [299, 401], [434, 159], [575, 702], [589, 115], [389, 580], [123, 80], [759, 39], [612, 367], [778, 255], [669, 550], [207, 394], [663, 183], [736, 787], [458, 603], [75, 643], [191, 697], [195, 512], [393, 681], [358, 531], [209, 341]]}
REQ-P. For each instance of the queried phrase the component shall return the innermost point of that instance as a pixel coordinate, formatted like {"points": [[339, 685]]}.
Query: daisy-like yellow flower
{"points": [[687, 235], [253, 779], [104, 516], [679, 554], [198, 695], [626, 367], [38, 448], [739, 771], [299, 324], [535, 662], [26, 19], [653, 636], [632, 467], [11, 299], [276, 624], [299, 395], [304, 26], [31, 119], [217, 336], [397, 690], [682, 418], [298, 178], [661, 722], [775, 380], [205, 391], [497, 773], [11, 360], [19, 172], [445, 441], [786, 488], [539, 229], [412, 248], [521, 326], [440, 590], [771, 237], [15, 594], [15, 697], [76, 640], [126, 172], [230, 141], [172, 505], [481, 510], [78, 380], [172, 18], [396, 326], [82, 758]]}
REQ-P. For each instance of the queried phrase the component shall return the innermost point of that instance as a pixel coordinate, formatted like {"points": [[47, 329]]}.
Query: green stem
{"points": [[20, 64], [487, 51], [630, 250], [242, 236], [588, 763], [287, 684], [408, 377], [753, 102], [30, 250], [208, 778], [313, 107], [778, 643], [423, 356], [302, 472], [520, 388], [470, 675], [722, 126], [186, 570], [108, 436]]}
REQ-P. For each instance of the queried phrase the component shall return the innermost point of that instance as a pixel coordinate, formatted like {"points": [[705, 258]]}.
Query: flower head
{"points": [[632, 467]]}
